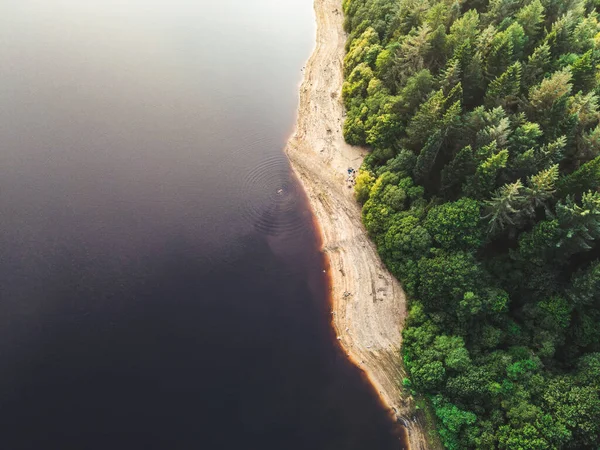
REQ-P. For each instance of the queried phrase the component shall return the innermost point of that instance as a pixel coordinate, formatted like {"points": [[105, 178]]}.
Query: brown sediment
{"points": [[368, 304]]}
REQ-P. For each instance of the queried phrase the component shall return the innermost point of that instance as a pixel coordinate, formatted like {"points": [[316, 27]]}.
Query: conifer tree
{"points": [[505, 207], [483, 181], [550, 90], [456, 172], [540, 188], [584, 73], [586, 177], [538, 63], [427, 156], [482, 194], [531, 18], [503, 90], [580, 222]]}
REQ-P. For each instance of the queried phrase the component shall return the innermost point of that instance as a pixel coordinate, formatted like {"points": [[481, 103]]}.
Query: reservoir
{"points": [[161, 284]]}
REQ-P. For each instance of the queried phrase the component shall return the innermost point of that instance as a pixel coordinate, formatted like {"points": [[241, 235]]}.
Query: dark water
{"points": [[156, 291]]}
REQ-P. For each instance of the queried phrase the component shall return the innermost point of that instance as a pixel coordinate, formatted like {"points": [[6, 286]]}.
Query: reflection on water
{"points": [[160, 284]]}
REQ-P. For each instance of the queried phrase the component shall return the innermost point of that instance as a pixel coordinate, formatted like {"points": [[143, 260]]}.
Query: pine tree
{"points": [[540, 188], [549, 105], [559, 37], [584, 35], [464, 30], [471, 70], [590, 144], [455, 173], [584, 73], [497, 131], [550, 90], [425, 120], [584, 178], [537, 65], [498, 10], [580, 223], [585, 108], [505, 207], [483, 181], [526, 136], [450, 76], [402, 59], [413, 50], [427, 156], [437, 112], [531, 18], [551, 153], [437, 53], [418, 87], [503, 90], [500, 55]]}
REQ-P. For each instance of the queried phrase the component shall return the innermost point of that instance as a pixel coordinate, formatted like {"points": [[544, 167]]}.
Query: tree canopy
{"points": [[482, 193]]}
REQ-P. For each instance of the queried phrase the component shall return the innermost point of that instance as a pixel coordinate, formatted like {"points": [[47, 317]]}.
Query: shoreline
{"points": [[368, 304]]}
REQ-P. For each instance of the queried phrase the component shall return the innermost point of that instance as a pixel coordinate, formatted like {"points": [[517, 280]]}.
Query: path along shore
{"points": [[369, 305]]}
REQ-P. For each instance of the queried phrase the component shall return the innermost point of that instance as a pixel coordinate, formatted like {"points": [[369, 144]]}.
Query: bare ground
{"points": [[369, 305]]}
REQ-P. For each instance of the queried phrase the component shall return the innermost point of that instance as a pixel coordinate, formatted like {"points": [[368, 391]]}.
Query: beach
{"points": [[368, 303]]}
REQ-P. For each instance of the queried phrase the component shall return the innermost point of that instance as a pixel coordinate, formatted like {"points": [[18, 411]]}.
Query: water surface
{"points": [[160, 280]]}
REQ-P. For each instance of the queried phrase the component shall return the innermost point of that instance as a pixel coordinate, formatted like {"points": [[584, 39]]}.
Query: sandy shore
{"points": [[369, 305]]}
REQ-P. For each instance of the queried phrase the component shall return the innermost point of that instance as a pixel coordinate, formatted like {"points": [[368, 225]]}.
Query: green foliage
{"points": [[429, 375], [403, 163], [453, 421], [480, 184], [586, 177], [456, 172], [538, 63], [482, 193], [427, 155], [438, 112], [551, 90], [363, 49], [416, 90], [584, 72], [586, 286], [580, 224], [445, 278], [456, 225], [503, 90], [531, 18], [405, 238], [364, 183], [505, 207]]}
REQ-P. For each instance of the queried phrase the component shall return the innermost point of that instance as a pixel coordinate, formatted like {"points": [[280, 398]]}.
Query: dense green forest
{"points": [[481, 192]]}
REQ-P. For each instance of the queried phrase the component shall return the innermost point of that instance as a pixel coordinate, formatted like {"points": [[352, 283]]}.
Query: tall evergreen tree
{"points": [[505, 207], [482, 194], [504, 90], [484, 180], [580, 222]]}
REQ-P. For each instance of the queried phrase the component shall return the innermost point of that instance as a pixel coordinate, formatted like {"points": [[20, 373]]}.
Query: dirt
{"points": [[369, 305]]}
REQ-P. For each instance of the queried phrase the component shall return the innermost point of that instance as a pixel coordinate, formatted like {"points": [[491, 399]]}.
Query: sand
{"points": [[369, 305]]}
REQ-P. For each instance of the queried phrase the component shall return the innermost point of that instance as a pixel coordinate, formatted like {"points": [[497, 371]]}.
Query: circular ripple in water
{"points": [[272, 200]]}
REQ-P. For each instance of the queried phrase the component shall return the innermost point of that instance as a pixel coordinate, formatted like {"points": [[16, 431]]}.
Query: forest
{"points": [[481, 192]]}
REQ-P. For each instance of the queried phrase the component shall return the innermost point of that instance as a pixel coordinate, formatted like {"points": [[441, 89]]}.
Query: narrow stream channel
{"points": [[161, 285]]}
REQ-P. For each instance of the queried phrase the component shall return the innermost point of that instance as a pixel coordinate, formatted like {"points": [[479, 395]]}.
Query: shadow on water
{"points": [[172, 353], [161, 284]]}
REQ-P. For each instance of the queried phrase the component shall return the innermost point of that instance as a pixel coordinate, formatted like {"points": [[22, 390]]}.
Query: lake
{"points": [[161, 284]]}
